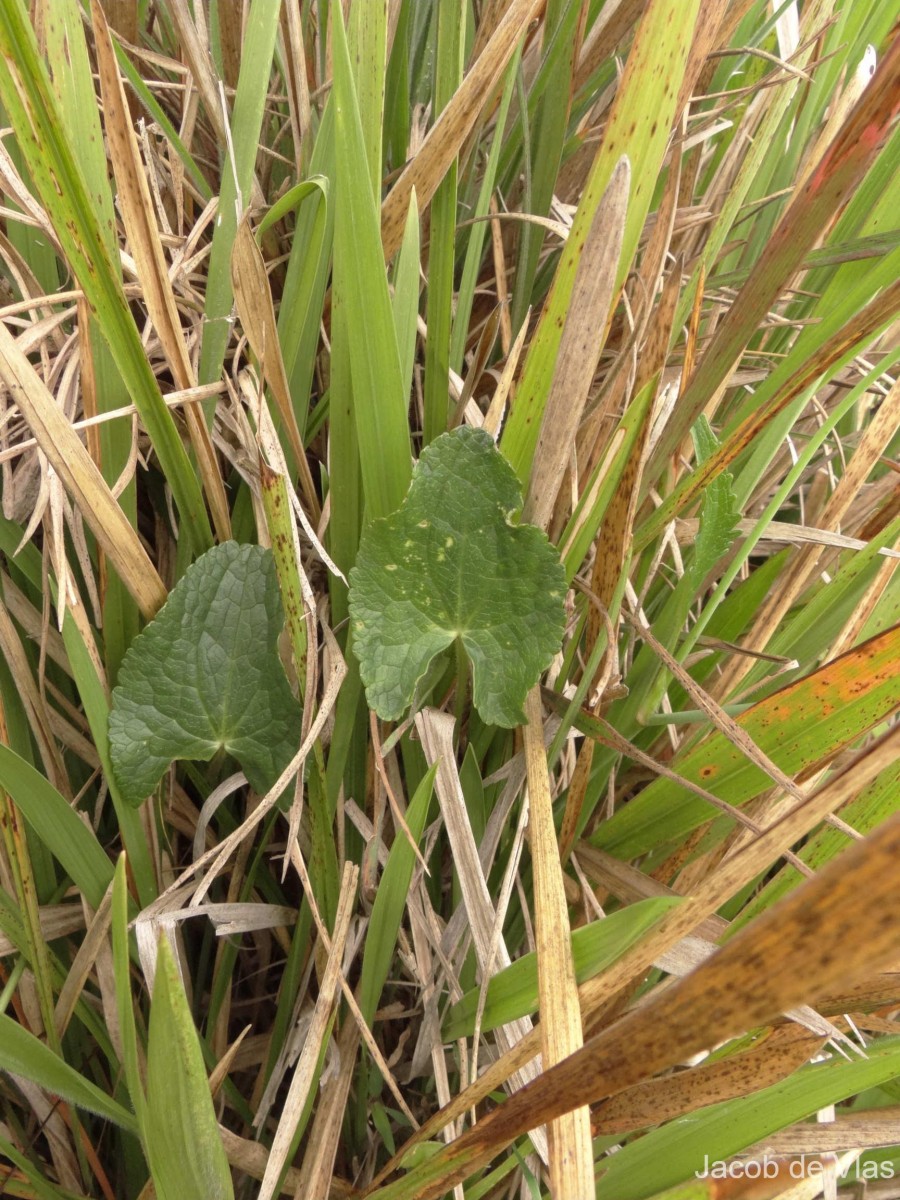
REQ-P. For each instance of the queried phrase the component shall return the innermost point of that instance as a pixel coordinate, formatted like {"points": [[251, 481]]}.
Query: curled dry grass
{"points": [[650, 246]]}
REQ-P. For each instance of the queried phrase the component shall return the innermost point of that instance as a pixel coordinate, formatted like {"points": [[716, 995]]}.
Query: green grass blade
{"points": [[442, 235], [73, 83], [513, 992], [23, 1054], [40, 1188], [308, 271], [379, 406], [72, 843], [548, 135], [390, 900], [181, 1133], [237, 181], [367, 43], [673, 1153], [405, 301], [124, 1002], [842, 166], [39, 129], [479, 230], [157, 112], [638, 126]]}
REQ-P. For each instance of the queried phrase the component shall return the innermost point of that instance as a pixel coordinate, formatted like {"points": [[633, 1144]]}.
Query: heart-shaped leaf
{"points": [[451, 564], [205, 676]]}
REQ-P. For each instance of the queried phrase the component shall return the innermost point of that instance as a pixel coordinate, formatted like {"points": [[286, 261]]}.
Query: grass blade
{"points": [[23, 1054], [181, 1132], [25, 94], [379, 406]]}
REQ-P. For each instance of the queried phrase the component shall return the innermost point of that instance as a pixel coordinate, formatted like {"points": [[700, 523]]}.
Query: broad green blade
{"points": [[379, 405], [23, 1054], [181, 1133]]}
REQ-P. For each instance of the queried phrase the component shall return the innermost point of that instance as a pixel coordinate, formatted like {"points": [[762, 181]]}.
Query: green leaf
{"points": [[205, 676], [451, 564], [513, 992], [183, 1145], [24, 1054], [720, 514]]}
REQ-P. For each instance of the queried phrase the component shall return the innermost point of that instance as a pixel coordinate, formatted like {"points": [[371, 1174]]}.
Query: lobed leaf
{"points": [[450, 564]]}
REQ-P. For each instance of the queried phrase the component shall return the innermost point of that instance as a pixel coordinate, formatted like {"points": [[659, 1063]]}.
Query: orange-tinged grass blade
{"points": [[797, 574], [802, 727], [80, 475], [143, 237], [830, 185], [575, 799], [454, 125], [571, 1155], [614, 539], [708, 898], [834, 929], [651, 272], [253, 298], [769, 1061]]}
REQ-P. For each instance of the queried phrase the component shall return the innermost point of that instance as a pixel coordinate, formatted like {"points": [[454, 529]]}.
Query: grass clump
{"points": [[448, 641]]}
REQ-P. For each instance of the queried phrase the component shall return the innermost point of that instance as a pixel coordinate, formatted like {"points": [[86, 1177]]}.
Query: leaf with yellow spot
{"points": [[450, 563]]}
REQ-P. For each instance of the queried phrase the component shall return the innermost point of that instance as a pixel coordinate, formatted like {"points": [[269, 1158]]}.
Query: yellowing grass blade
{"points": [[31, 108], [581, 344], [254, 303], [80, 475], [145, 245], [454, 125], [645, 107], [571, 1153], [836, 928]]}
